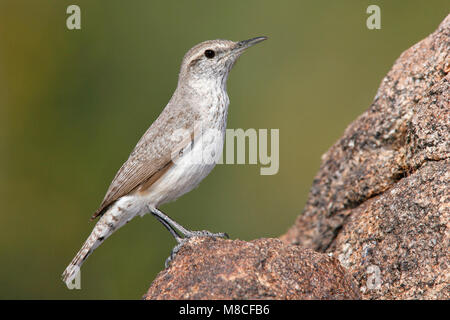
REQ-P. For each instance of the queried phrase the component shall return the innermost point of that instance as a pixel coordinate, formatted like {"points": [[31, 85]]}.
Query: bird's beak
{"points": [[242, 45]]}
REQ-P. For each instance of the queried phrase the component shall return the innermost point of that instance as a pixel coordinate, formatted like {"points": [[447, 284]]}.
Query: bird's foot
{"points": [[175, 250], [205, 233], [191, 234]]}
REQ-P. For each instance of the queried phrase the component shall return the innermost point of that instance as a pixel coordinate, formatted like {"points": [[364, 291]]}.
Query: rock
{"points": [[207, 268], [395, 244], [381, 199]]}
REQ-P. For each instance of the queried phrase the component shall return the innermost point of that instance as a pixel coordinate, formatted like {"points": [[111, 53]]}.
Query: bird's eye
{"points": [[209, 54]]}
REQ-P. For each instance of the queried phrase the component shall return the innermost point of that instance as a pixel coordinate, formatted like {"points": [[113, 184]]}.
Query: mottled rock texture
{"points": [[380, 203], [400, 237], [207, 268], [381, 198]]}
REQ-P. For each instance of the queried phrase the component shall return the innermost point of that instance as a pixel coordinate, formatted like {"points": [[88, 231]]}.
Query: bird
{"points": [[177, 151]]}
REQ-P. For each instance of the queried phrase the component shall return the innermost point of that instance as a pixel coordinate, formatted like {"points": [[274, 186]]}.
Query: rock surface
{"points": [[381, 198], [207, 268], [379, 204], [395, 245]]}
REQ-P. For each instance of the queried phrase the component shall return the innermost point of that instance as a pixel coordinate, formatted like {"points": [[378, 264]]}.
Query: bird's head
{"points": [[212, 60]]}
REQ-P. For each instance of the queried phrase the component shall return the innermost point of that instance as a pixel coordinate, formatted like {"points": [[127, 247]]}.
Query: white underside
{"points": [[184, 175]]}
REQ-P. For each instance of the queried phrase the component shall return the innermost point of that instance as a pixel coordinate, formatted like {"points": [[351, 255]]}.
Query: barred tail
{"points": [[101, 231]]}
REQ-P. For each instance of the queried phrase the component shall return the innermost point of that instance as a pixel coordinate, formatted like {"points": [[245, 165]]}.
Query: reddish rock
{"points": [[396, 245], [381, 196], [207, 268]]}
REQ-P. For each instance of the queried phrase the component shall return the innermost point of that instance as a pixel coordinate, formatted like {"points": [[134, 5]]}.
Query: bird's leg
{"points": [[171, 225], [185, 232], [180, 241], [172, 231]]}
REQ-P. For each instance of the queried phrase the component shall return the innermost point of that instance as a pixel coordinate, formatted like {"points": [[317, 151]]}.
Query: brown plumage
{"points": [[152, 154]]}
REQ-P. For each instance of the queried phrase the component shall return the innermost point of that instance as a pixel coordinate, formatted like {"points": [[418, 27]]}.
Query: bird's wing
{"points": [[152, 156]]}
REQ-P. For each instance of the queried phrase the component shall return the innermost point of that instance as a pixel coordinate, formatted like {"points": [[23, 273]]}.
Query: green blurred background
{"points": [[74, 103]]}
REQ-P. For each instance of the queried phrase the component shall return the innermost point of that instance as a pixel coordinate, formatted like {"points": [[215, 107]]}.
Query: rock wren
{"points": [[163, 166]]}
